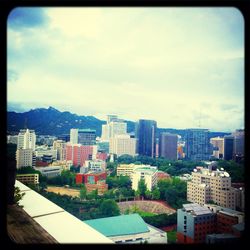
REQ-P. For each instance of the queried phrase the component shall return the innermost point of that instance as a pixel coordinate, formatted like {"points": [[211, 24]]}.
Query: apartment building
{"points": [[209, 185]]}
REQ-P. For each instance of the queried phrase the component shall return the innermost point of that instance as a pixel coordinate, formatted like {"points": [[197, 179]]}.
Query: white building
{"points": [[148, 173], [127, 169], [113, 127], [218, 147], [50, 171], [122, 144], [40, 151], [12, 139], [95, 165], [74, 136], [26, 139], [24, 158], [60, 147], [118, 127]]}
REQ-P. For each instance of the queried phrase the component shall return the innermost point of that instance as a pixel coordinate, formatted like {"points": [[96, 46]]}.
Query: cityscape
{"points": [[116, 136]]}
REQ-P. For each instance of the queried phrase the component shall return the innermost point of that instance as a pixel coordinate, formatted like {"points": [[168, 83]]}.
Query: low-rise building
{"points": [[194, 222], [51, 171], [28, 178], [127, 229], [148, 174]]}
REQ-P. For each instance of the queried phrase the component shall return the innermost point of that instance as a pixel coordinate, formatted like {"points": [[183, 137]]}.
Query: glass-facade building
{"points": [[197, 145], [145, 133]]}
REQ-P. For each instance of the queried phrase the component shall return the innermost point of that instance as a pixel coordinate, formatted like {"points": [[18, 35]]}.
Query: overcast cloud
{"points": [[179, 66]]}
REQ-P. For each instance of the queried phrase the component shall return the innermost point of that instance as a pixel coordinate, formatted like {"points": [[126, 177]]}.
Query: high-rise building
{"points": [[197, 145], [117, 128], [239, 138], [60, 147], [25, 158], [146, 137], [78, 153], [122, 144], [209, 185], [228, 147], [218, 147], [26, 139], [113, 127], [86, 136], [74, 136], [168, 146]]}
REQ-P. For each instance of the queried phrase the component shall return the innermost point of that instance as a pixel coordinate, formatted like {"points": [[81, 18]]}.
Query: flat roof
{"points": [[61, 225], [119, 225], [196, 209]]}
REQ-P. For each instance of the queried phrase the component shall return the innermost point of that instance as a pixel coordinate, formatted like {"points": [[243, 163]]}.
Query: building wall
{"points": [[218, 142], [146, 137], [28, 178], [74, 136], [24, 158], [197, 146], [228, 147], [204, 187], [168, 146], [122, 144], [26, 139]]}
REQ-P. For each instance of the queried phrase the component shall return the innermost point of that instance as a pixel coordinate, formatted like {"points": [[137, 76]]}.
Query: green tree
{"points": [[18, 195], [83, 192], [155, 193], [109, 208], [142, 187], [148, 194]]}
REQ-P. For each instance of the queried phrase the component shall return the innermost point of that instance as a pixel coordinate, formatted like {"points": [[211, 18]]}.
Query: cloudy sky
{"points": [[183, 67]]}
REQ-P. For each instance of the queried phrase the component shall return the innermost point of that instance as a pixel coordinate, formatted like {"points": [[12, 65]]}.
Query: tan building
{"points": [[24, 158], [28, 178], [126, 169], [122, 144], [60, 147], [211, 185], [100, 186], [218, 144]]}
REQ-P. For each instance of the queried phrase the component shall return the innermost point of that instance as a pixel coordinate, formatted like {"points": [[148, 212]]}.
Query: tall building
{"points": [[239, 138], [118, 127], [168, 146], [113, 127], [122, 144], [86, 136], [218, 147], [74, 136], [194, 222], [25, 158], [228, 147], [26, 139], [60, 147], [211, 185], [78, 153], [146, 137], [197, 145]]}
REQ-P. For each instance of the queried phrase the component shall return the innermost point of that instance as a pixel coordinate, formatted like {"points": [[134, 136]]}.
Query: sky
{"points": [[182, 67]]}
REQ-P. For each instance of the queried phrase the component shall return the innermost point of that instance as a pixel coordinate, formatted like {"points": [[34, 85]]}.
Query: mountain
{"points": [[54, 122]]}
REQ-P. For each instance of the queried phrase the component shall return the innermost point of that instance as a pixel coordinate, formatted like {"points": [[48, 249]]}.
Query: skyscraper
{"points": [[74, 136], [26, 139], [168, 146], [146, 137], [228, 147], [197, 145], [87, 136]]}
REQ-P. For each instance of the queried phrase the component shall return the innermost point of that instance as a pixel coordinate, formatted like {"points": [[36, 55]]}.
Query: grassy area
{"points": [[144, 214], [171, 237]]}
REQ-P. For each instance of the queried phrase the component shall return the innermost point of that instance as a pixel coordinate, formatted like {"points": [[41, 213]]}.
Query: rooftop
{"points": [[119, 225], [196, 209], [57, 222]]}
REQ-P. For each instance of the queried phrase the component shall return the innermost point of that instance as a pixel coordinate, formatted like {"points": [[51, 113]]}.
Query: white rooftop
{"points": [[196, 209], [60, 224]]}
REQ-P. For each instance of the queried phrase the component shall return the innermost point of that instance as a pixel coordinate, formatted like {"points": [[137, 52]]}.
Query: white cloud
{"points": [[155, 63]]}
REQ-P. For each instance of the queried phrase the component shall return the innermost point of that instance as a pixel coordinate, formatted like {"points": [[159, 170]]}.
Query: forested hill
{"points": [[54, 122]]}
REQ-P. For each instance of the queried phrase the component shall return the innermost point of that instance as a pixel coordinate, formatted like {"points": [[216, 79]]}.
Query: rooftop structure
{"points": [[58, 223], [129, 228]]}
